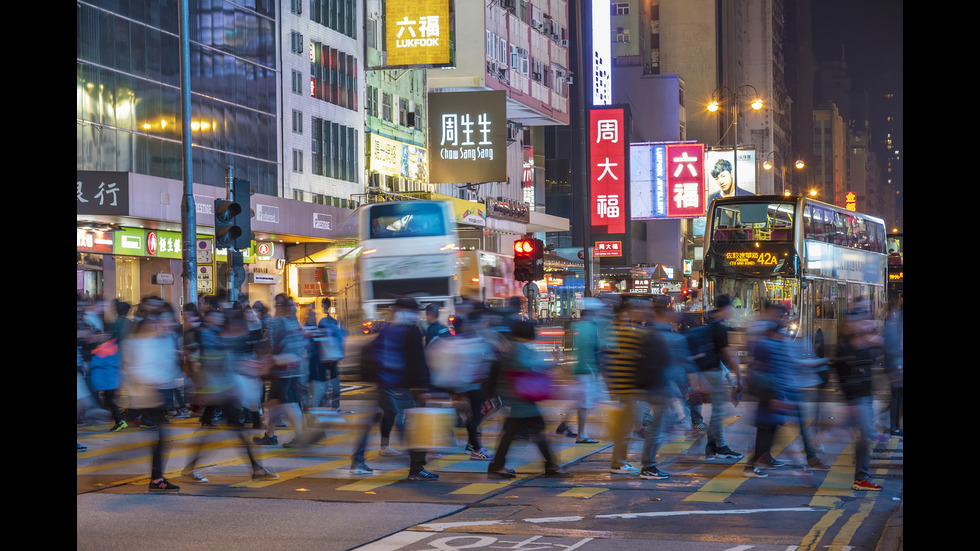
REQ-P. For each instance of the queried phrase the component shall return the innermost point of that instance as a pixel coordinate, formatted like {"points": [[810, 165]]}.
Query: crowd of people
{"points": [[253, 368]]}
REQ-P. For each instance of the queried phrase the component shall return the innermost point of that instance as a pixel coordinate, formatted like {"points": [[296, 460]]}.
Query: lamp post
{"points": [[767, 164], [721, 94]]}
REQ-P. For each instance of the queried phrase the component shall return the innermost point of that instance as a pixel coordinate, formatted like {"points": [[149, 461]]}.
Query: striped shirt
{"points": [[624, 343]]}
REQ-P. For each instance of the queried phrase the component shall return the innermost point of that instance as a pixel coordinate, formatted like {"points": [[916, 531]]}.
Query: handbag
{"points": [[530, 386]]}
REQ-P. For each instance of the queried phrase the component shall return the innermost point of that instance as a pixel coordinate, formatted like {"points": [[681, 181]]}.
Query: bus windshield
{"points": [[407, 219], [749, 295], [753, 222]]}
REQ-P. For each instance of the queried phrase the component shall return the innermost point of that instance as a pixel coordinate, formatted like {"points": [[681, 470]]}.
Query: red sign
{"points": [[608, 148], [685, 180], [151, 243], [608, 248]]}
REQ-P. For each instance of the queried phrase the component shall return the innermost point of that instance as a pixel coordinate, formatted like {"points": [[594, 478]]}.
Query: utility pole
{"points": [[188, 209]]}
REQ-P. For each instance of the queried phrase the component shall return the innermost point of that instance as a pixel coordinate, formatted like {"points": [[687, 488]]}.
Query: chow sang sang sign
{"points": [[467, 137]]}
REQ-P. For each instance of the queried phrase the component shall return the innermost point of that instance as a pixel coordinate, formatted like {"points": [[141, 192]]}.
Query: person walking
{"points": [[286, 342], [332, 345], [225, 351], [625, 337], [587, 334], [713, 354], [893, 341], [401, 366], [857, 351], [524, 413], [148, 359]]}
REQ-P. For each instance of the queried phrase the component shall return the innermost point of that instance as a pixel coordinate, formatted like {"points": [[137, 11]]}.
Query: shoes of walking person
{"points": [[119, 426], [361, 468], [815, 464], [653, 473], [625, 468], [423, 475], [196, 476], [480, 455], [865, 484], [557, 473], [502, 473], [586, 440], [162, 485], [387, 451], [726, 453], [752, 472], [565, 431], [264, 474]]}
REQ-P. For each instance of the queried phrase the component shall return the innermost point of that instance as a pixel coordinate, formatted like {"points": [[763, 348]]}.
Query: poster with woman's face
{"points": [[720, 173]]}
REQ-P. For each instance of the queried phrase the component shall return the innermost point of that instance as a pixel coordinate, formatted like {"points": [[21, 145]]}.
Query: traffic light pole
{"points": [[188, 210], [232, 256]]}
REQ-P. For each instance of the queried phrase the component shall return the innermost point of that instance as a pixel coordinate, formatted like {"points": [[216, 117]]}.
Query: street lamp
{"points": [[767, 164], [721, 94]]}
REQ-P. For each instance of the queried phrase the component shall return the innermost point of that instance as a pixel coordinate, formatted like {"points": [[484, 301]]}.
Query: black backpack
{"points": [[701, 341]]}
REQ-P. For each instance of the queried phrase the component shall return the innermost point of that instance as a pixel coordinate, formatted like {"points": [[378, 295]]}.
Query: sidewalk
{"points": [[891, 537]]}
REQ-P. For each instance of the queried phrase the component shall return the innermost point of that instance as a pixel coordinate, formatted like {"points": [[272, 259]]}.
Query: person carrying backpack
{"points": [[710, 349]]}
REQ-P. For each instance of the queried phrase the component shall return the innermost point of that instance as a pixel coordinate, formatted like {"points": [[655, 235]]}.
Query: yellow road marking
{"points": [[583, 492]]}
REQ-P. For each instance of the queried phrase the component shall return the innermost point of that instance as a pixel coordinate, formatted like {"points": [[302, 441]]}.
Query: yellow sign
{"points": [[418, 33], [467, 212], [751, 258]]}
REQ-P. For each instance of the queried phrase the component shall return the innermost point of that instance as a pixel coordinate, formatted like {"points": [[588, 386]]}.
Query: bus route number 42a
{"points": [[751, 258]]}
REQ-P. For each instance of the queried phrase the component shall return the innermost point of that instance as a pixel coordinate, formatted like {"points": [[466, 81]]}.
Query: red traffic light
{"points": [[523, 247]]}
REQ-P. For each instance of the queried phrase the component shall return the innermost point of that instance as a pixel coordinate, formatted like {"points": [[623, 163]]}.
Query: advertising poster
{"points": [[721, 172]]}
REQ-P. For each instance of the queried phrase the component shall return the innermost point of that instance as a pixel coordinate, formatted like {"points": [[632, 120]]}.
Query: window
{"points": [[754, 222], [407, 219], [403, 111], [622, 35], [620, 8], [295, 42], [298, 161], [386, 106], [297, 82], [334, 149], [297, 121], [296, 6]]}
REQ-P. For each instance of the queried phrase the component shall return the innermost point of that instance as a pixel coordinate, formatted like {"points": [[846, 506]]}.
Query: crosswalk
{"points": [[123, 458]]}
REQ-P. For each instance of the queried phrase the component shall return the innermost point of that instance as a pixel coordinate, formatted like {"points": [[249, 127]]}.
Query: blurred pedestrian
{"points": [[625, 341], [434, 328], [893, 341], [857, 352], [226, 357], [103, 342], [287, 345], [523, 358], [401, 366], [332, 349], [716, 358], [587, 335], [148, 359]]}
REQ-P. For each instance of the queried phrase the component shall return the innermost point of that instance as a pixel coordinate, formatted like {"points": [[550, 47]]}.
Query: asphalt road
{"points": [[317, 504]]}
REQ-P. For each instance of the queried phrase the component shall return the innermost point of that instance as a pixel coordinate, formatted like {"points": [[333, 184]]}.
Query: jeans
{"points": [[658, 403], [533, 425], [387, 401], [719, 391], [862, 415]]}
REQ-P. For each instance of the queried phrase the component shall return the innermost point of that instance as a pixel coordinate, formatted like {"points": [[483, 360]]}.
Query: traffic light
{"points": [[538, 254], [226, 229], [241, 193], [524, 259]]}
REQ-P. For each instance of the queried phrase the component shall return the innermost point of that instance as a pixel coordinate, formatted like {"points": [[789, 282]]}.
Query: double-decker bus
{"points": [[488, 277], [896, 269], [405, 249], [816, 259]]}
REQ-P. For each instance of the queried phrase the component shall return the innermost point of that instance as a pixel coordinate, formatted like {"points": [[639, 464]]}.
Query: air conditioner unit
{"points": [[564, 43], [515, 132], [555, 37], [569, 80], [537, 24]]}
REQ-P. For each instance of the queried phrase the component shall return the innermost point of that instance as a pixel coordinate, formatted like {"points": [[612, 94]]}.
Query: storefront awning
{"points": [[546, 222]]}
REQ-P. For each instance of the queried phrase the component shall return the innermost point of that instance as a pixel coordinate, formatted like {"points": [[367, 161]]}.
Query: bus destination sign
{"points": [[750, 259]]}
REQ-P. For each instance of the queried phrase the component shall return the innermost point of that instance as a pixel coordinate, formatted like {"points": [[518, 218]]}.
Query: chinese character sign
{"points": [[418, 33], [685, 180], [467, 137], [102, 192], [608, 149]]}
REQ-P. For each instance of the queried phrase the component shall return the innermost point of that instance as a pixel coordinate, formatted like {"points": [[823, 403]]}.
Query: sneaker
{"points": [[865, 485], [423, 475], [773, 463], [502, 473], [119, 426], [815, 464], [699, 426], [387, 451], [565, 431], [586, 440], [752, 472], [361, 468], [197, 477], [709, 450], [727, 453], [266, 440], [80, 447], [208, 425], [626, 468], [654, 474], [468, 448], [163, 486], [292, 444], [557, 473], [264, 474], [480, 455]]}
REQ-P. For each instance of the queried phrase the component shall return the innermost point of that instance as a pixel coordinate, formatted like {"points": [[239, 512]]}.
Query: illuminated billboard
{"points": [[666, 180], [720, 173], [467, 137], [601, 53], [608, 169], [418, 33]]}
